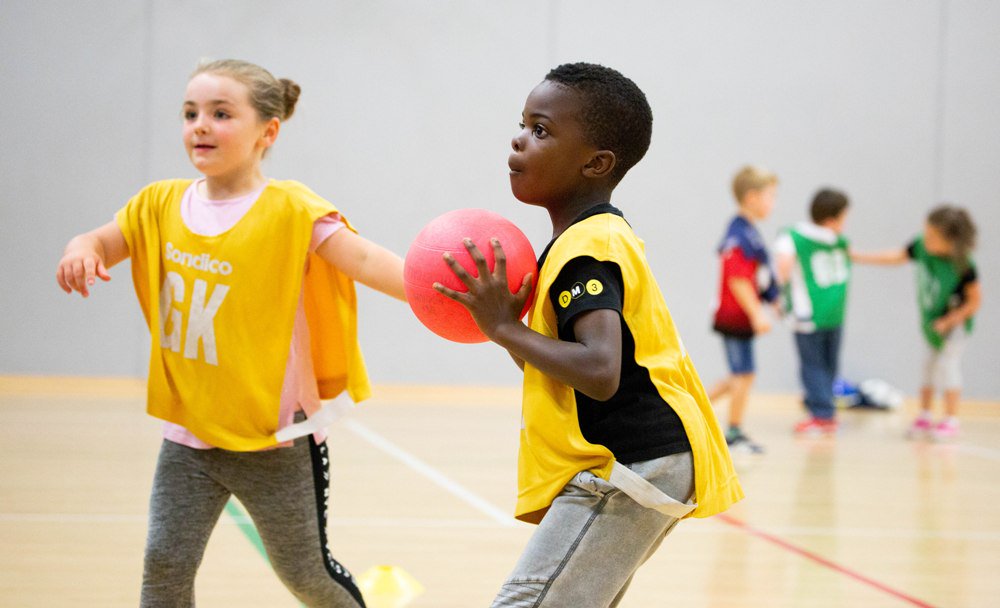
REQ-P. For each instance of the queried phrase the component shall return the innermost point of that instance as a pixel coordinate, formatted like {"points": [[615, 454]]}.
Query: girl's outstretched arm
{"points": [[886, 258], [88, 256], [365, 262]]}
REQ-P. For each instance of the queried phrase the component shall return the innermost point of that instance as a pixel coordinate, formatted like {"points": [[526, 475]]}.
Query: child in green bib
{"points": [[948, 296], [814, 268]]}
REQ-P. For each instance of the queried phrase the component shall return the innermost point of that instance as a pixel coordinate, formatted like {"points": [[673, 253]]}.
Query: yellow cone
{"points": [[388, 587]]}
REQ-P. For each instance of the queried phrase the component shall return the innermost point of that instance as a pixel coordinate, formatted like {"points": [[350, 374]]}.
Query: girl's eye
{"points": [[221, 115], [189, 114]]}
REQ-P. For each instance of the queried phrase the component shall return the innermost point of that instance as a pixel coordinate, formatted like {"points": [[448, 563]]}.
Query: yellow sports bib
{"points": [[221, 311], [553, 448]]}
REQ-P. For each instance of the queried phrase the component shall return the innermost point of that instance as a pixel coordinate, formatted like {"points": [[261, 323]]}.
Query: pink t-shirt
{"points": [[210, 218]]}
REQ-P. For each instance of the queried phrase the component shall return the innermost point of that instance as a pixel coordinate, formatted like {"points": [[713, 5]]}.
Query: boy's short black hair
{"points": [[827, 204], [616, 115]]}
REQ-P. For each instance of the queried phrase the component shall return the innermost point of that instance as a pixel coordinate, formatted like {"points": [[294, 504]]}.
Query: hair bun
{"points": [[291, 93]]}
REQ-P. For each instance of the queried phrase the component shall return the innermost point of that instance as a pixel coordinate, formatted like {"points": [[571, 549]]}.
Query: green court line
{"points": [[249, 530], [246, 526]]}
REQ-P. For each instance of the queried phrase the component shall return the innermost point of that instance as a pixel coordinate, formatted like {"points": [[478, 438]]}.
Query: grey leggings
{"points": [[285, 492]]}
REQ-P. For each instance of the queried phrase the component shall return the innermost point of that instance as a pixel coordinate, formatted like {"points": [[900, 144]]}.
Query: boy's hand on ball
{"points": [[488, 299]]}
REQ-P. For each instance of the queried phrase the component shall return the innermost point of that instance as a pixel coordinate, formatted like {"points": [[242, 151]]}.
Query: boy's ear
{"points": [[601, 164]]}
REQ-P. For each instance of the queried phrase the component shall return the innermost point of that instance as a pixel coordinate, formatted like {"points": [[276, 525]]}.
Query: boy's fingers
{"points": [[524, 292], [457, 268], [499, 258], [525, 289], [448, 292], [477, 257]]}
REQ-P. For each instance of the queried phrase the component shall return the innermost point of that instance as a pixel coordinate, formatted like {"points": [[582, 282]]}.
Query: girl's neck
{"points": [[223, 187]]}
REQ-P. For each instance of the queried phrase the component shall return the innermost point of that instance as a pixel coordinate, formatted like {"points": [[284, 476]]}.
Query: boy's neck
{"points": [[828, 225], [745, 214], [562, 216]]}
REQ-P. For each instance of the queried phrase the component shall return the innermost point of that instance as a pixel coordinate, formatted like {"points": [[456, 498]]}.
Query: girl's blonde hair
{"points": [[270, 96], [956, 226]]}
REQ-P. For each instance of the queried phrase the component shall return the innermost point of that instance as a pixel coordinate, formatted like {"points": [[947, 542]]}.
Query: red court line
{"points": [[784, 544]]}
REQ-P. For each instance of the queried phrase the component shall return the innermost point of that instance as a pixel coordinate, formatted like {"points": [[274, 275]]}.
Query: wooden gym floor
{"points": [[424, 481]]}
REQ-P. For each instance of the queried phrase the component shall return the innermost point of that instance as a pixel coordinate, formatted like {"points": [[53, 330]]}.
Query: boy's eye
{"points": [[520, 125], [539, 131]]}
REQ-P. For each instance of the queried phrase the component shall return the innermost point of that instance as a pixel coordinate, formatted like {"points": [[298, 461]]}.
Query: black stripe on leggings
{"points": [[321, 483]]}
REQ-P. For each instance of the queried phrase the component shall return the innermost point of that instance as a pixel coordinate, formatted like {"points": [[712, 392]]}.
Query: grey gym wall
{"points": [[408, 109]]}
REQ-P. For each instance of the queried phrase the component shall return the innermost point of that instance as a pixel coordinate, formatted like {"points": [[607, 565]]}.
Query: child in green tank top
{"points": [[948, 296], [814, 268]]}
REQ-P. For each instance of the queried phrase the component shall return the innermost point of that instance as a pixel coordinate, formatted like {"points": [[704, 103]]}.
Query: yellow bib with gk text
{"points": [[221, 311]]}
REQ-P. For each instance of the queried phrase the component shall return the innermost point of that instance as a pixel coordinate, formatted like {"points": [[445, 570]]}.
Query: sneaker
{"points": [[920, 428], [946, 430], [741, 444], [816, 426]]}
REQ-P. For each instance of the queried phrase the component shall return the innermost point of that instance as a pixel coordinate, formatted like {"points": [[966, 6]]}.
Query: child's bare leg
{"points": [[926, 400], [739, 393], [719, 389], [951, 399]]}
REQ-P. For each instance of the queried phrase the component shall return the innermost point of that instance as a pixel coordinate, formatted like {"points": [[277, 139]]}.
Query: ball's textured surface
{"points": [[425, 265]]}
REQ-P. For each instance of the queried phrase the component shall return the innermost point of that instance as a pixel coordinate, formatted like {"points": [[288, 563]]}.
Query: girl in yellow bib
{"points": [[618, 439], [247, 285]]}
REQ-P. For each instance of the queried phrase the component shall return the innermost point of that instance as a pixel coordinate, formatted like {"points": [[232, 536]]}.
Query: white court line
{"points": [[504, 519]]}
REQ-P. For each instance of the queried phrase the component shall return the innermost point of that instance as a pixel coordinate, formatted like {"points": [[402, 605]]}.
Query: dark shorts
{"points": [[739, 354]]}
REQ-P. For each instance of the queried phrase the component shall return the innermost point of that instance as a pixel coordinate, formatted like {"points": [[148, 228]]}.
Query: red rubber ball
{"points": [[425, 265]]}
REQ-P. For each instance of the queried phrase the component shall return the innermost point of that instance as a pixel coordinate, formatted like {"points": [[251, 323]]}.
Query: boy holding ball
{"points": [[618, 440]]}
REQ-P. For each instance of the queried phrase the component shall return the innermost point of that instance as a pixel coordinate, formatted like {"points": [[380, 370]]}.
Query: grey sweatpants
{"points": [[285, 492], [593, 538]]}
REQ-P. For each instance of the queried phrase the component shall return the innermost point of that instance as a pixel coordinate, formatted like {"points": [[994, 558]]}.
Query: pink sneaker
{"points": [[816, 426], [920, 428], [946, 430]]}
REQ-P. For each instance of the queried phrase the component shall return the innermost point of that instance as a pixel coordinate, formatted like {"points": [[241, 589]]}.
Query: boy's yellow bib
{"points": [[553, 448], [221, 311]]}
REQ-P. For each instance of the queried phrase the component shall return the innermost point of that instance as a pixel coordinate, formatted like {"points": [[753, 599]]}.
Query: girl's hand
{"points": [[88, 257], [942, 325], [488, 299], [78, 268]]}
